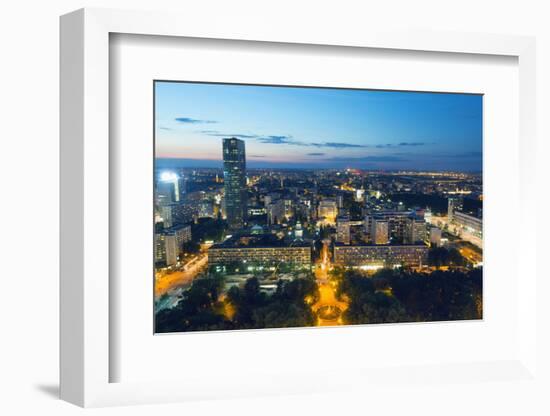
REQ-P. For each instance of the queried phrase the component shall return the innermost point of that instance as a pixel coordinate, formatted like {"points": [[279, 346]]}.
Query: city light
{"points": [[168, 176]]}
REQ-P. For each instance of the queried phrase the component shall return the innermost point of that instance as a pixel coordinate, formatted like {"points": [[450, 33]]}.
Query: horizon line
{"points": [[220, 161]]}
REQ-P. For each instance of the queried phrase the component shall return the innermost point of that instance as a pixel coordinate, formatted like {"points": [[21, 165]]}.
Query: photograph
{"points": [[281, 206]]}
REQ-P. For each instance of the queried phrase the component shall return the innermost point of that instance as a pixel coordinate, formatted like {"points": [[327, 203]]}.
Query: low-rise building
{"points": [[265, 251], [473, 224], [377, 255]]}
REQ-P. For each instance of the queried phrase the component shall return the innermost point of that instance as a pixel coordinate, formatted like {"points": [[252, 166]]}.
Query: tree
{"points": [[285, 308], [440, 256], [191, 247], [197, 310], [375, 308]]}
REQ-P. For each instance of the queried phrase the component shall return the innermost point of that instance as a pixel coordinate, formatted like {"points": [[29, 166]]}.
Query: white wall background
{"points": [[29, 195]]}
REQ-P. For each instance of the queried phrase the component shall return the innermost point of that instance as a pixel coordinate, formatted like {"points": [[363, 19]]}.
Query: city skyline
{"points": [[318, 128]]}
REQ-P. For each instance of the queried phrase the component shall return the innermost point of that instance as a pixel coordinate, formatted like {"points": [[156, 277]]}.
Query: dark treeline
{"points": [[392, 296], [441, 256], [389, 296], [208, 229], [285, 308], [201, 309]]}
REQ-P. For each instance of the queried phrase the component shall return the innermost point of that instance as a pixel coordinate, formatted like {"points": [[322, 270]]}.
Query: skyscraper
{"points": [[234, 173], [168, 188]]}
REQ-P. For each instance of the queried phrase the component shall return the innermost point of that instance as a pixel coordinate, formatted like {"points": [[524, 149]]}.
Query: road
{"points": [[175, 280], [471, 255], [327, 300]]}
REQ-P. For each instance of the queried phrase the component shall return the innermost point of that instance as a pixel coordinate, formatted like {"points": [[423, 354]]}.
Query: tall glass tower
{"points": [[234, 173]]}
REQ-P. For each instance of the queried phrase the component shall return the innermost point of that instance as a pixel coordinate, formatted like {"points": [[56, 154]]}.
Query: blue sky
{"points": [[318, 127]]}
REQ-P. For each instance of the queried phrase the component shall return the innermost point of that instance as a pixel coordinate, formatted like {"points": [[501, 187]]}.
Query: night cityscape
{"points": [[258, 230]]}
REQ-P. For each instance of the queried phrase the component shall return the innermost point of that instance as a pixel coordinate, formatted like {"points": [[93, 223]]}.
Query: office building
{"points": [[178, 213], [471, 223], [453, 205], [328, 210], [379, 233], [181, 232], [340, 201], [206, 209], [170, 188], [298, 231], [166, 249], [343, 230], [415, 229], [435, 237], [276, 212], [265, 251], [396, 223], [378, 256], [234, 171]]}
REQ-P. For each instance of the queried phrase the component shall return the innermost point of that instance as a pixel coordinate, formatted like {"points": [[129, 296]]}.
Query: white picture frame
{"points": [[85, 211]]}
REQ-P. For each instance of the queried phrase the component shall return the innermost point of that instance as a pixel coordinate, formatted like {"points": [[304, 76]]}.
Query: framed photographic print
{"points": [[307, 206], [260, 212]]}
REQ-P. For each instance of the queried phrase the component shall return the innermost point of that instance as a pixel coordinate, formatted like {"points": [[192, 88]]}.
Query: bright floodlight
{"points": [[168, 176]]}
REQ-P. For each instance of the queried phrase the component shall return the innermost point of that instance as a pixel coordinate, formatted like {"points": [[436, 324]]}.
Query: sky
{"points": [[295, 127]]}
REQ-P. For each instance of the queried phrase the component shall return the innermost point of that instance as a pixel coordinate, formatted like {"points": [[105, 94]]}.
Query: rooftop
{"points": [[258, 241]]}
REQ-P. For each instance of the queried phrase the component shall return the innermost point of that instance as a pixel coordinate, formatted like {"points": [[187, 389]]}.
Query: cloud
{"points": [[257, 156], [466, 155], [216, 133], [270, 139], [412, 144], [402, 144], [278, 140], [188, 120], [337, 145], [316, 154], [373, 158], [289, 140], [164, 128]]}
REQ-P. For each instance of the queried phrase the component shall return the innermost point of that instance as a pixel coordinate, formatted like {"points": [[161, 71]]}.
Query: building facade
{"points": [[343, 230], [182, 234], [435, 237], [276, 212], [396, 223], [415, 230], [298, 257], [166, 249], [365, 256], [473, 224], [328, 209], [379, 231]]}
